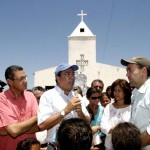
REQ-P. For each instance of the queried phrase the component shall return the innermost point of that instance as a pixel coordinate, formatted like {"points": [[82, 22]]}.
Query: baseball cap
{"points": [[139, 60], [64, 66]]}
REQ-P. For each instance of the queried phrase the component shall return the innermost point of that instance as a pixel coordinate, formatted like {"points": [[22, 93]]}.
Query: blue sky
{"points": [[33, 33]]}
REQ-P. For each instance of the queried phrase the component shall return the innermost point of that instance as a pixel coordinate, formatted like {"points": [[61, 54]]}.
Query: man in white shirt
{"points": [[138, 73], [59, 103]]}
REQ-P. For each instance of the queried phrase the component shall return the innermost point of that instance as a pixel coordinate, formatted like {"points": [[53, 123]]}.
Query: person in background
{"points": [[74, 134], [96, 112], [28, 144], [29, 90], [97, 83], [2, 84], [38, 91], [116, 112], [18, 110], [105, 99], [126, 136], [41, 135], [108, 90], [138, 73], [59, 103]]}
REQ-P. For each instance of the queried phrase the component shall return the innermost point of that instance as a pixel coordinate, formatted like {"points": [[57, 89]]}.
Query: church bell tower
{"points": [[82, 47]]}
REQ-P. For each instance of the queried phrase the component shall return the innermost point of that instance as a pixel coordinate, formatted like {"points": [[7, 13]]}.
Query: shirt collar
{"points": [[61, 92], [143, 88], [12, 95]]}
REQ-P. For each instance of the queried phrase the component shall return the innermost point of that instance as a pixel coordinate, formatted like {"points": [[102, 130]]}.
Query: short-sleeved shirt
{"points": [[52, 102], [14, 110], [140, 112]]}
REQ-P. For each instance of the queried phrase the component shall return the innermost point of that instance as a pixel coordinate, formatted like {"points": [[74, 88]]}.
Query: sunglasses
{"points": [[95, 98]]}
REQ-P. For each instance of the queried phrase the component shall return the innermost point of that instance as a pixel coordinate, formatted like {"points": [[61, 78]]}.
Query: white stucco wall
{"points": [[106, 73]]}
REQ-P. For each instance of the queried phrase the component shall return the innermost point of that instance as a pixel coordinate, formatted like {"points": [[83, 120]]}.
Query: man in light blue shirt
{"points": [[138, 73]]}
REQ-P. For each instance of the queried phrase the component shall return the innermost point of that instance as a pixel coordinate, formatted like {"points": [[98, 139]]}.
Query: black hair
{"points": [[126, 136], [97, 80], [125, 87], [74, 134], [39, 88], [9, 73], [27, 143]]}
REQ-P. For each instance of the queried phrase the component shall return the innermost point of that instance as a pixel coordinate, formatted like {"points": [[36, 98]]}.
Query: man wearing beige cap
{"points": [[138, 73]]}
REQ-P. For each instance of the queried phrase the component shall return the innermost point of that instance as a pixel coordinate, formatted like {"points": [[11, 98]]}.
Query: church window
{"points": [[81, 29]]}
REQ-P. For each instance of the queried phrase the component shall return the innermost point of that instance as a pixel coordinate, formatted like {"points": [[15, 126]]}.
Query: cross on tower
{"points": [[82, 63], [82, 14]]}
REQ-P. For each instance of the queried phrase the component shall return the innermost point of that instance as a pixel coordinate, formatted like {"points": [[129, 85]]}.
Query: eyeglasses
{"points": [[95, 98], [21, 79]]}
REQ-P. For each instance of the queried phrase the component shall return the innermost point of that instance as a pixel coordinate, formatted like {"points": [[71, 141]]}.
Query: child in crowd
{"points": [[28, 144], [126, 136]]}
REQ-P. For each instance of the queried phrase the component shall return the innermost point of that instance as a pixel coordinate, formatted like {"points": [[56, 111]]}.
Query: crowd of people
{"points": [[63, 118]]}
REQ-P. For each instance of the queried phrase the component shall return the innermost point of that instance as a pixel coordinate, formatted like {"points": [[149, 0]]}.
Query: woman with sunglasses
{"points": [[118, 111], [96, 111]]}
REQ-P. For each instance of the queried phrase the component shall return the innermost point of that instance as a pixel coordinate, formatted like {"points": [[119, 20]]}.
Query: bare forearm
{"points": [[34, 129], [85, 118], [51, 122], [17, 129], [55, 119]]}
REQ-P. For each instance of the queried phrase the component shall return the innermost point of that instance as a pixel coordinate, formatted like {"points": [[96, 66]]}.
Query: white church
{"points": [[82, 51]]}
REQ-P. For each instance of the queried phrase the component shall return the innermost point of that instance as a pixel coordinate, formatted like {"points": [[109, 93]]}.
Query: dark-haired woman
{"points": [[96, 111], [116, 112]]}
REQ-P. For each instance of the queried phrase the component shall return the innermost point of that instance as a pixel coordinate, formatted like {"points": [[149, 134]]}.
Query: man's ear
{"points": [[57, 78], [144, 69], [9, 82]]}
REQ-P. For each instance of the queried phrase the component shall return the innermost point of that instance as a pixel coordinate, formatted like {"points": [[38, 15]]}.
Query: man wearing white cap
{"points": [[138, 73], [58, 103]]}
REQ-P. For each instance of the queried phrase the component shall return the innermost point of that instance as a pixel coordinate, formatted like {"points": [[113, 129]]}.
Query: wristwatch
{"points": [[62, 113]]}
